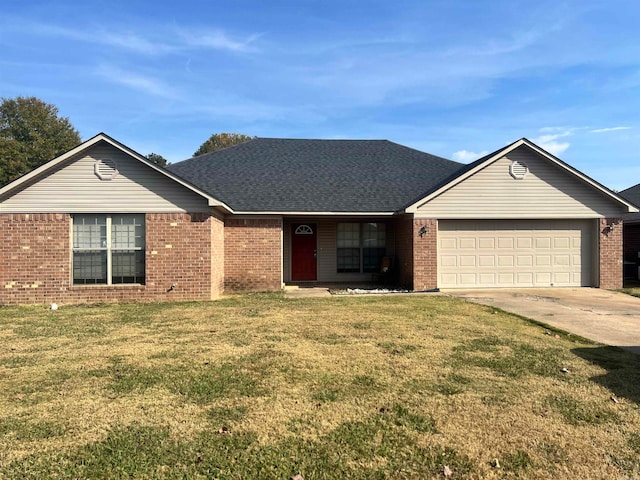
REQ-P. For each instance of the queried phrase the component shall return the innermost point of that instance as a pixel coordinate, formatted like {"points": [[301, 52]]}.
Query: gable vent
{"points": [[105, 169], [518, 170]]}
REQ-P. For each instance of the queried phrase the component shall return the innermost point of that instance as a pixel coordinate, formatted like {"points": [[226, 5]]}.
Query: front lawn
{"points": [[259, 386]]}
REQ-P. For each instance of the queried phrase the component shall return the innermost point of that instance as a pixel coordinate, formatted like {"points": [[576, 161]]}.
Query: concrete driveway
{"points": [[606, 317]]}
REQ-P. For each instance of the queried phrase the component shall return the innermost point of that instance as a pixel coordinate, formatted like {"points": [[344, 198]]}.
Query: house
{"points": [[101, 223], [631, 233]]}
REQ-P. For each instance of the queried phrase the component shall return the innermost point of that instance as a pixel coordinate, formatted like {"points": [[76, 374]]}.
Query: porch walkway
{"points": [[295, 291]]}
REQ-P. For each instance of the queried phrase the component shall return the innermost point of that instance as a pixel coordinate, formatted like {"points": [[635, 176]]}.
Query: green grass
{"points": [[259, 386], [578, 412]]}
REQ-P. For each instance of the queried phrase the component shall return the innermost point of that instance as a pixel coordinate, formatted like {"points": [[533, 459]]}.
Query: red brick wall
{"points": [[35, 260], [425, 255], [253, 254], [404, 251], [610, 254]]}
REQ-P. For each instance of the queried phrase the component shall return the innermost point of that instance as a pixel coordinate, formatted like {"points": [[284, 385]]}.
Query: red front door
{"points": [[303, 252]]}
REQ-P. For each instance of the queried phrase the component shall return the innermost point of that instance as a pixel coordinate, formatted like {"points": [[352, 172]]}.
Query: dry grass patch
{"points": [[259, 386]]}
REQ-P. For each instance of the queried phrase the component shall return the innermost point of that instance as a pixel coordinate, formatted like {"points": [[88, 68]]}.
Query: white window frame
{"points": [[109, 249]]}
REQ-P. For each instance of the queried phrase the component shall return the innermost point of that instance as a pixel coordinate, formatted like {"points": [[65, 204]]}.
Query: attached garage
{"points": [[516, 253]]}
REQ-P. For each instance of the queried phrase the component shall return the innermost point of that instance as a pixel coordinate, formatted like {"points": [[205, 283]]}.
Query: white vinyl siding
{"points": [[546, 191], [512, 253], [75, 188]]}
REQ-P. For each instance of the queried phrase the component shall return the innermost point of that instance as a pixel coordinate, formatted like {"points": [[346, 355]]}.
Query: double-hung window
{"points": [[108, 249], [360, 247]]}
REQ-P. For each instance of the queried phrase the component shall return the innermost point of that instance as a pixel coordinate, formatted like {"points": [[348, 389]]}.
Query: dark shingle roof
{"points": [[632, 194], [273, 174]]}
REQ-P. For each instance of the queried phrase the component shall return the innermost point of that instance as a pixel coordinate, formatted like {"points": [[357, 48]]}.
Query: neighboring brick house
{"points": [[631, 234], [101, 223]]}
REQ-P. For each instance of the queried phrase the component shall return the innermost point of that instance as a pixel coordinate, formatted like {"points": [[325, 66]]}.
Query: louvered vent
{"points": [[518, 170], [105, 169]]}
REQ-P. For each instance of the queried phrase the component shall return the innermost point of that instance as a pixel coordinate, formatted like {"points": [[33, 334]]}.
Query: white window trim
{"points": [[109, 249]]}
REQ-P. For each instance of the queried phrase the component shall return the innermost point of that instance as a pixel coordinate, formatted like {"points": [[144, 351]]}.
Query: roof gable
{"points": [[483, 163], [83, 151]]}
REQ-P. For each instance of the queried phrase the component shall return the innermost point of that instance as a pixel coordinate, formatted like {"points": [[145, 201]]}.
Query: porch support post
{"points": [[425, 254], [610, 254]]}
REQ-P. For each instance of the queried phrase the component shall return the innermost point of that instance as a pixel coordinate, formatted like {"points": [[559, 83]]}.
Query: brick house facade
{"points": [[197, 246]]}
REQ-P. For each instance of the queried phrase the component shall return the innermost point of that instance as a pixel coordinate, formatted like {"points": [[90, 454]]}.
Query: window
{"points": [[373, 246], [108, 249], [361, 247], [348, 247]]}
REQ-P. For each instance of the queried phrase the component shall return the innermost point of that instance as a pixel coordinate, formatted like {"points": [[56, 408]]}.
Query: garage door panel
{"points": [[448, 278], [486, 260], [487, 243], [524, 260], [524, 279], [543, 260], [543, 243], [468, 279], [505, 242], [467, 260], [543, 278], [516, 253], [524, 242], [448, 243], [505, 261], [467, 243], [449, 260], [487, 278]]}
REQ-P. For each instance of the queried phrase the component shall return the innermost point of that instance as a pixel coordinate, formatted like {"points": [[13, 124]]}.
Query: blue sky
{"points": [[453, 78]]}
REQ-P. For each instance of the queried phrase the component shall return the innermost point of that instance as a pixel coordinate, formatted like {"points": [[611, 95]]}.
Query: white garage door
{"points": [[514, 253]]}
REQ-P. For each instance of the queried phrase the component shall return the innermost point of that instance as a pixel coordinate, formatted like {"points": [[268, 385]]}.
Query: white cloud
{"points": [[610, 129], [137, 81], [467, 156], [217, 40], [172, 39], [122, 40], [548, 140]]}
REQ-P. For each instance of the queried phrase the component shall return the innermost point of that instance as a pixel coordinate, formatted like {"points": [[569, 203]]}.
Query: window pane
{"points": [[127, 266], [373, 235], [348, 235], [90, 231], [90, 267], [348, 260], [127, 231], [372, 259]]}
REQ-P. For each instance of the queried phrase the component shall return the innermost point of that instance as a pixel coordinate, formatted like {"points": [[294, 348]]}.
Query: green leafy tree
{"points": [[158, 159], [218, 141], [31, 133]]}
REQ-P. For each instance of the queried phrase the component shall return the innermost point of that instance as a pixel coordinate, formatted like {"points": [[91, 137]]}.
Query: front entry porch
{"points": [[349, 252]]}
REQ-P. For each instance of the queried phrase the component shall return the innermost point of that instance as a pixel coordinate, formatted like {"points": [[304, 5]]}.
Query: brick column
{"points": [[253, 254], [425, 254], [610, 253]]}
